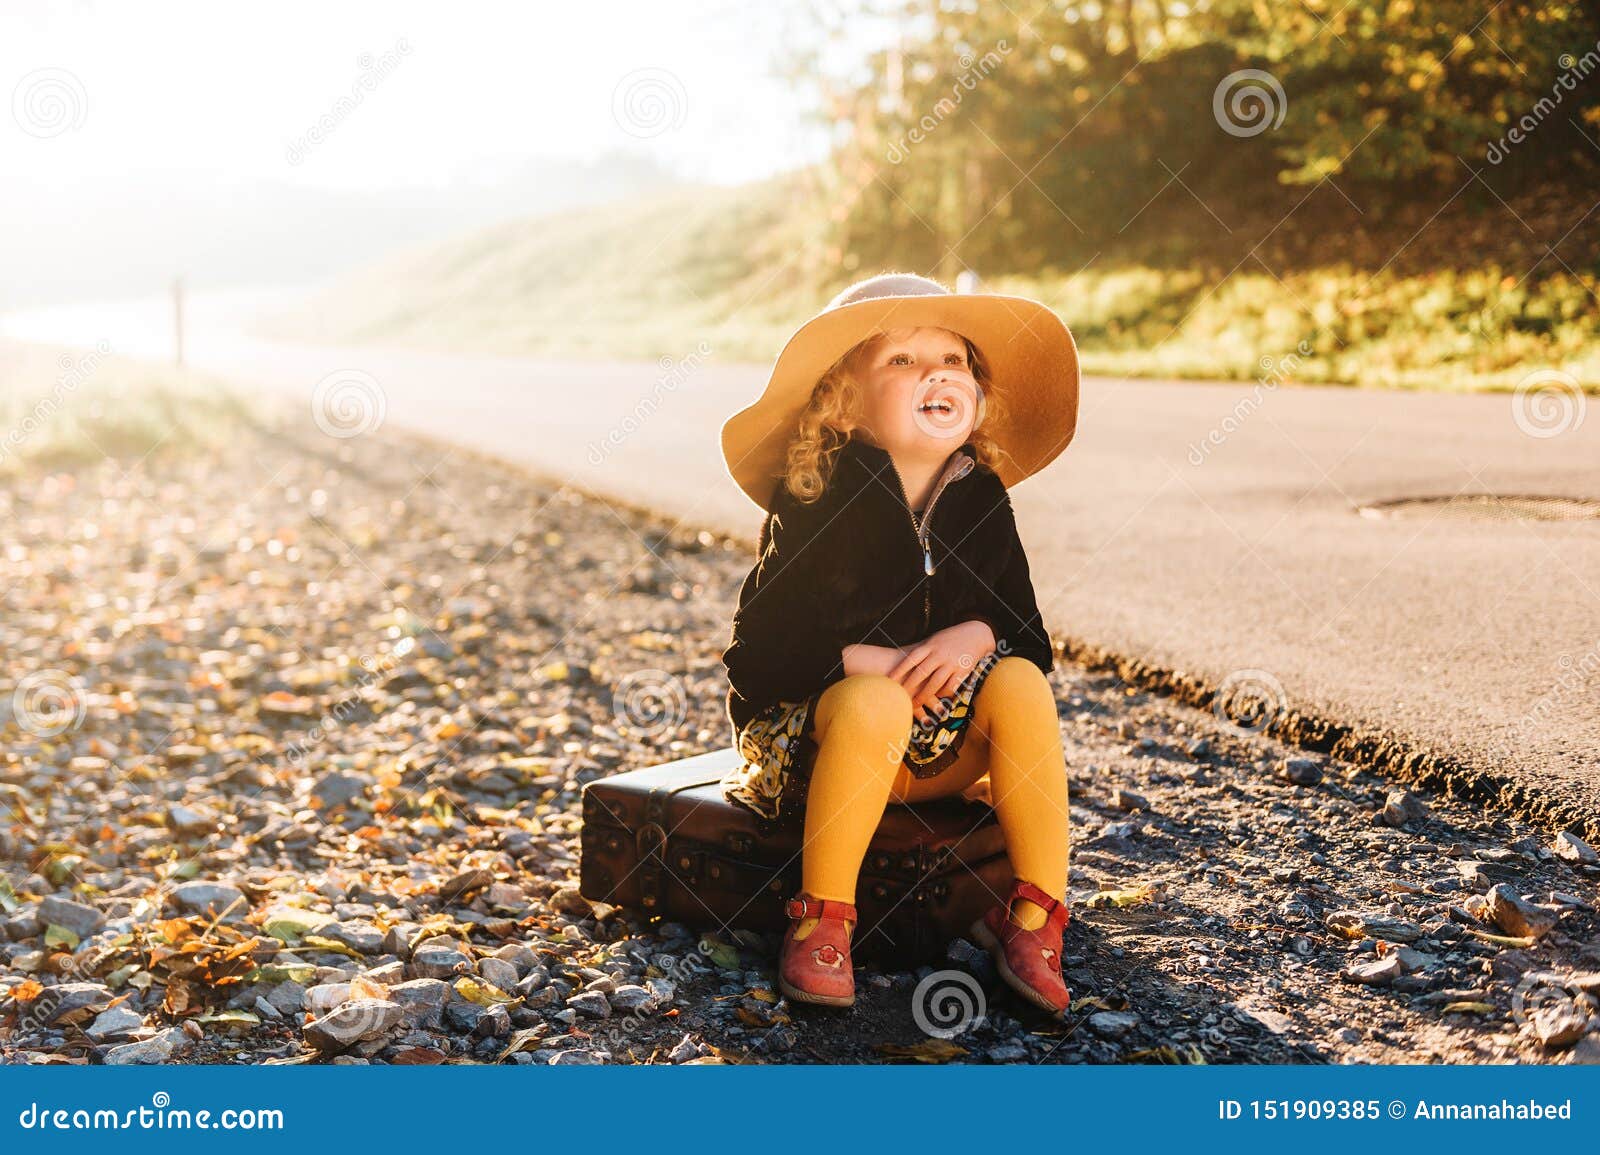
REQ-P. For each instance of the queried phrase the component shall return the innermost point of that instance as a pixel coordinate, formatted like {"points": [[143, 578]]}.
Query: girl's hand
{"points": [[935, 667], [865, 658]]}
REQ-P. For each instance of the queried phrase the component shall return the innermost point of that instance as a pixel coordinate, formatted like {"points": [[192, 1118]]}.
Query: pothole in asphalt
{"points": [[1487, 507]]}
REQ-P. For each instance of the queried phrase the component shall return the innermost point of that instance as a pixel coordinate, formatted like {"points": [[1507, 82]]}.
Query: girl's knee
{"points": [[1016, 683], [870, 703]]}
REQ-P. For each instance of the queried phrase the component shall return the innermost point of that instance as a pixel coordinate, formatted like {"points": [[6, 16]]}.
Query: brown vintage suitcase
{"points": [[663, 840]]}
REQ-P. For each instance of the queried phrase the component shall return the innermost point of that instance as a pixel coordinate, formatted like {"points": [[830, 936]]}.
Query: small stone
{"points": [[114, 1022], [466, 883], [187, 821], [325, 997], [1127, 800], [1415, 960], [288, 997], [73, 1002], [1374, 926], [686, 1049], [577, 1058], [1402, 806], [422, 1000], [1008, 1052], [1198, 748], [498, 972], [630, 997], [1112, 1024], [1480, 876], [210, 898], [1302, 771], [505, 896], [494, 1023], [1512, 914], [353, 1022], [157, 1049], [1377, 973], [356, 934], [337, 789], [568, 901], [591, 1003], [1571, 848], [81, 919], [963, 953], [439, 962], [1560, 1025], [1349, 1035]]}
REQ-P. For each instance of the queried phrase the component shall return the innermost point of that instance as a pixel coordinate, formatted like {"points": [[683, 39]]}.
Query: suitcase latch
{"points": [[651, 837]]}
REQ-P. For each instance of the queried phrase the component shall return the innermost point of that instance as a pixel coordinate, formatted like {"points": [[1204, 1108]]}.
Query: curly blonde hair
{"points": [[833, 413]]}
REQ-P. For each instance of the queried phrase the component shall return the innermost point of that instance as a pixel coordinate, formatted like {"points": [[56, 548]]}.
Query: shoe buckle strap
{"points": [[1055, 910], [805, 906]]}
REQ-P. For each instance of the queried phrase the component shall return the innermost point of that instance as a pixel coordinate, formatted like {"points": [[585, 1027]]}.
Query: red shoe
{"points": [[1029, 960], [817, 968]]}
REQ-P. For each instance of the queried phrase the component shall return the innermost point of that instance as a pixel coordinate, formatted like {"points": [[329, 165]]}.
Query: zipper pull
{"points": [[927, 560]]}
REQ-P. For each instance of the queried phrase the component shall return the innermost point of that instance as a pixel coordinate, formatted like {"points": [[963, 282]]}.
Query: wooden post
{"points": [[177, 321]]}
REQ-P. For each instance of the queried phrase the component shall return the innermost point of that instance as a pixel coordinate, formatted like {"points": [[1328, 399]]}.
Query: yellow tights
{"points": [[862, 726]]}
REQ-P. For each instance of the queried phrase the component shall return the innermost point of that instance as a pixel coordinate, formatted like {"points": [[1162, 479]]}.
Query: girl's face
{"points": [[919, 397]]}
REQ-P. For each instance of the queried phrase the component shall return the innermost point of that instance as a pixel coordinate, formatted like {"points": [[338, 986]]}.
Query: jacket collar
{"points": [[877, 461]]}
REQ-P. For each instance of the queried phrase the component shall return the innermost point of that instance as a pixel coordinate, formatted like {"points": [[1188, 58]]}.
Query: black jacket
{"points": [[850, 568]]}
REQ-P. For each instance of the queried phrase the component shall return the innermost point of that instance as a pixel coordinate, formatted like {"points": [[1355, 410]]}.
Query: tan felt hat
{"points": [[1032, 359]]}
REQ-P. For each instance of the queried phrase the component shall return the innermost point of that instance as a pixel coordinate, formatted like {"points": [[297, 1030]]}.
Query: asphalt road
{"points": [[1207, 529]]}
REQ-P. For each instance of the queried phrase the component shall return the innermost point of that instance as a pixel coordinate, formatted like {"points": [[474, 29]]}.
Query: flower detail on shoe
{"points": [[828, 956], [817, 969]]}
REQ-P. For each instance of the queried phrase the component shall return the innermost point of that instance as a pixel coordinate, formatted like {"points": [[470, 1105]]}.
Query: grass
{"points": [[732, 272], [639, 280], [64, 409]]}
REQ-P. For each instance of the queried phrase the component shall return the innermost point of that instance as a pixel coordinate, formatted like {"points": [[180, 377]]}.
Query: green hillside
{"points": [[738, 268]]}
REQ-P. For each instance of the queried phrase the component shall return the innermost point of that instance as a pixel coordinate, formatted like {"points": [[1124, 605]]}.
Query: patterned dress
{"points": [[778, 750]]}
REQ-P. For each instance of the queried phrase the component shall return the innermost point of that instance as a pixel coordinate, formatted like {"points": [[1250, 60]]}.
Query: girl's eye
{"points": [[895, 358], [955, 359]]}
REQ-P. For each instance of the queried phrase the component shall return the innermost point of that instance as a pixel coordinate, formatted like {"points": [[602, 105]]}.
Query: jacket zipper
{"points": [[921, 530]]}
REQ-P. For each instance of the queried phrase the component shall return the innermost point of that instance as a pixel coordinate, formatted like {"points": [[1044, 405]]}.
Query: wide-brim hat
{"points": [[1032, 360]]}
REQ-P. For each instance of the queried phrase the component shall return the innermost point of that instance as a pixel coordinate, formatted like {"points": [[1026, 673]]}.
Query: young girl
{"points": [[887, 647]]}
